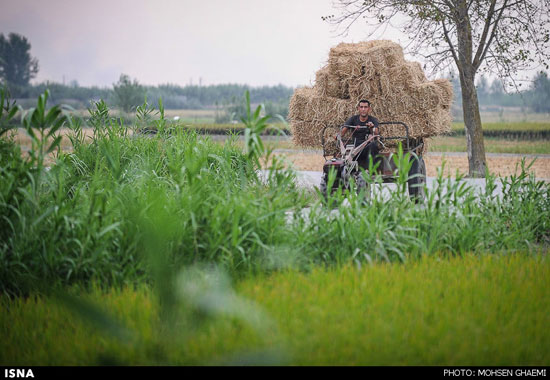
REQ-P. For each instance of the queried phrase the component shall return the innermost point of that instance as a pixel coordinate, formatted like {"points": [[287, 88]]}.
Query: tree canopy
{"points": [[17, 67], [127, 93], [540, 96]]}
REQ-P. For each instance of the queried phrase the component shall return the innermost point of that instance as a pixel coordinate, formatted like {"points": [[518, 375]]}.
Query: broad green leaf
{"points": [[55, 143]]}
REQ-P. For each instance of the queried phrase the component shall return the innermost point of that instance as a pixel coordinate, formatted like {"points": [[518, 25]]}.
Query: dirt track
{"points": [[502, 165]]}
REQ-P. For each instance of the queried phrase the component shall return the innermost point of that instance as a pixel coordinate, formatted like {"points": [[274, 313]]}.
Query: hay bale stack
{"points": [[377, 71]]}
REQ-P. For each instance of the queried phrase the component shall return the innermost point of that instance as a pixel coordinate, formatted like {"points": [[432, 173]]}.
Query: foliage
{"points": [[222, 96], [492, 93], [17, 67], [196, 97], [540, 96], [128, 94], [75, 95], [255, 124], [236, 109], [7, 111], [42, 126]]}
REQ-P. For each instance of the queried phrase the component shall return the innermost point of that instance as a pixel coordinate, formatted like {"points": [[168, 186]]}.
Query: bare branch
{"points": [[488, 22], [471, 32]]}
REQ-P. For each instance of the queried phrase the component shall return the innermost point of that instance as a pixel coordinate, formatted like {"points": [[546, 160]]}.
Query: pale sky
{"points": [[255, 42]]}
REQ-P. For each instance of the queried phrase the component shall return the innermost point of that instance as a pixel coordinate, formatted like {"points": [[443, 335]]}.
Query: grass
{"points": [[512, 115], [492, 145], [415, 314], [509, 126], [471, 310], [205, 116]]}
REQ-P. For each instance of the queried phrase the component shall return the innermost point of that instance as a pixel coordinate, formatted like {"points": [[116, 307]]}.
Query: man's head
{"points": [[364, 108]]}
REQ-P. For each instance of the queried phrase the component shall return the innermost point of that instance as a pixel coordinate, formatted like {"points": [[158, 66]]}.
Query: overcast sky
{"points": [[255, 42]]}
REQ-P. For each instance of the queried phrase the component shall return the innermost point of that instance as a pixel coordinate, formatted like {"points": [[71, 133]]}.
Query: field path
{"points": [[501, 164]]}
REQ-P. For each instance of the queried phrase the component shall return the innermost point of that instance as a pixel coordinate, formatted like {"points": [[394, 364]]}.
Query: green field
{"points": [[504, 126], [492, 145], [473, 310]]}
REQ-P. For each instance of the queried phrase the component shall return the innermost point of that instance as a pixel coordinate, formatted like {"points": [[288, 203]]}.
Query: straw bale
{"points": [[406, 75], [327, 84], [363, 58], [307, 133], [368, 87], [446, 89], [307, 105], [388, 82]]}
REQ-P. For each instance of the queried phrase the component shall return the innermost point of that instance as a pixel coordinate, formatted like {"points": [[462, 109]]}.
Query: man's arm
{"points": [[348, 122], [344, 130], [374, 127]]}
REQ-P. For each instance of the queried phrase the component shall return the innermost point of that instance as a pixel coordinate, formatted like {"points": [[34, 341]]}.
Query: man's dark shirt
{"points": [[360, 135]]}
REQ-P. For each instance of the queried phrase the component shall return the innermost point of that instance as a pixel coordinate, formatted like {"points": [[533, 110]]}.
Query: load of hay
{"points": [[375, 70]]}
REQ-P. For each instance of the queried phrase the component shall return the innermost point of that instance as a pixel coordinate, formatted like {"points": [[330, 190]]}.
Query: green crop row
{"points": [[516, 127], [520, 131]]}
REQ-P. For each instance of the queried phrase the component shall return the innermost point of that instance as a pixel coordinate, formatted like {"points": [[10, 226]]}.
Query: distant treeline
{"points": [[228, 98], [173, 96], [491, 94]]}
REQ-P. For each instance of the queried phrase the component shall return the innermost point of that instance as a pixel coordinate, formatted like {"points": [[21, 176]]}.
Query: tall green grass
{"points": [[90, 215]]}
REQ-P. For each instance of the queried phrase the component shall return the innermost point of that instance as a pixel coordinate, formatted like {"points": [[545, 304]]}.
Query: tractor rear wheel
{"points": [[417, 179]]}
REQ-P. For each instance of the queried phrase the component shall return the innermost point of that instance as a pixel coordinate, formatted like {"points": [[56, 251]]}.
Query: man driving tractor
{"points": [[359, 135]]}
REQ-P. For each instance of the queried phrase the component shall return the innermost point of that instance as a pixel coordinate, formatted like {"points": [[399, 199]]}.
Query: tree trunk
{"points": [[472, 125], [470, 104]]}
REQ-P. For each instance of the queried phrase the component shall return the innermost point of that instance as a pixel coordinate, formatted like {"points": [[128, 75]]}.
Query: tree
{"points": [[497, 36], [540, 93], [128, 94], [17, 67]]}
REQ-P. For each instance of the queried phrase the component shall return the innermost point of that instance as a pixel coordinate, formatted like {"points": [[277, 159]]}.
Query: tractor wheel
{"points": [[323, 187], [417, 179], [361, 186], [360, 182]]}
